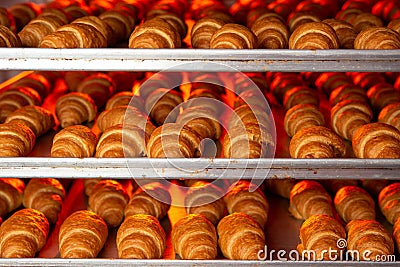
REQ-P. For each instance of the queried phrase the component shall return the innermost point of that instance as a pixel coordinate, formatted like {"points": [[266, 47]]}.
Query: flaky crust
{"points": [[377, 38], [347, 92], [314, 35], [12, 190], [203, 30], [390, 115], [382, 94], [16, 140], [389, 200], [233, 36], [302, 116], [8, 38], [271, 34], [344, 31], [125, 99], [99, 86], [300, 95]]}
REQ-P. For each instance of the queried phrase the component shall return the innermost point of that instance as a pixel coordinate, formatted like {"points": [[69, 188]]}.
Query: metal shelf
{"points": [[114, 59]]}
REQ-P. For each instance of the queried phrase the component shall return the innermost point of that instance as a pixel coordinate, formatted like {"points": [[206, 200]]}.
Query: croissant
{"points": [[73, 78], [302, 116], [204, 29], [318, 234], [348, 14], [108, 199], [11, 192], [300, 95], [367, 79], [155, 33], [369, 236], [347, 116], [154, 81], [242, 198], [365, 20], [388, 200], [38, 119], [334, 185], [240, 237], [75, 108], [246, 114], [7, 19], [280, 187], [329, 81], [206, 199], [205, 97], [75, 11], [261, 14], [23, 234], [314, 35], [382, 94], [282, 82], [82, 235], [121, 22], [88, 184], [125, 99], [390, 114], [354, 203], [37, 82], [298, 17], [394, 25], [161, 103], [347, 92], [233, 36], [376, 140], [16, 140], [99, 86], [377, 38], [194, 238], [374, 186], [249, 81], [23, 13], [8, 38], [344, 31], [173, 140], [121, 141], [271, 34], [15, 98], [141, 236], [175, 21], [45, 195], [75, 141], [207, 80], [316, 142]]}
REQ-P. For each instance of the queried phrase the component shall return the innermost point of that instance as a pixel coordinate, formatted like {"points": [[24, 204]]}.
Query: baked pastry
{"points": [[390, 114], [73, 78], [205, 198], [99, 86], [347, 92], [396, 234], [151, 199], [88, 184], [38, 119], [141, 236], [300, 95], [308, 198], [108, 199], [316, 142], [45, 195], [23, 234], [377, 38], [194, 237], [300, 17], [319, 234], [367, 79], [121, 22], [369, 236], [240, 237], [376, 140], [205, 97], [125, 99], [155, 33], [122, 141], [16, 140], [334, 185], [175, 21], [99, 28], [8, 38], [233, 36], [246, 198], [349, 115], [173, 140], [349, 14], [382, 94], [388, 200], [344, 31], [271, 34], [207, 80], [394, 25], [7, 19], [252, 114], [354, 203], [11, 192], [23, 13], [75, 108], [82, 235], [374, 186], [365, 20], [314, 35], [76, 11], [329, 81], [160, 105], [283, 81], [75, 141], [14, 98], [154, 81], [250, 81], [204, 29], [302, 116], [37, 82], [280, 187]]}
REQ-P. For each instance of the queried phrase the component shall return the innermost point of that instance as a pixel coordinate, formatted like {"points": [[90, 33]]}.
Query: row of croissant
{"points": [[259, 24]]}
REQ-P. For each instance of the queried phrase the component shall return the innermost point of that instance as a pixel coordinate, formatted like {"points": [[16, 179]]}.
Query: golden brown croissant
{"points": [[344, 31], [82, 235], [12, 190], [308, 198], [108, 199], [23, 13], [7, 19], [151, 199], [349, 115], [382, 94], [209, 81], [206, 199], [194, 238], [246, 114], [349, 14], [271, 34], [16, 140], [367, 79], [377, 38], [390, 114], [394, 25], [38, 119], [280, 187], [329, 81], [354, 203], [376, 140], [347, 92], [314, 35], [282, 82], [300, 95], [388, 200], [365, 20], [88, 184], [75, 108], [23, 234], [233, 36], [175, 21], [37, 82], [45, 195], [141, 236], [204, 29], [125, 99], [204, 97], [240, 237], [155, 33], [99, 86], [120, 21], [302, 116], [333, 185], [74, 78], [8, 38], [318, 234], [75, 141], [316, 142], [15, 98], [370, 239], [299, 17], [241, 197], [173, 140], [161, 103], [374, 186]]}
